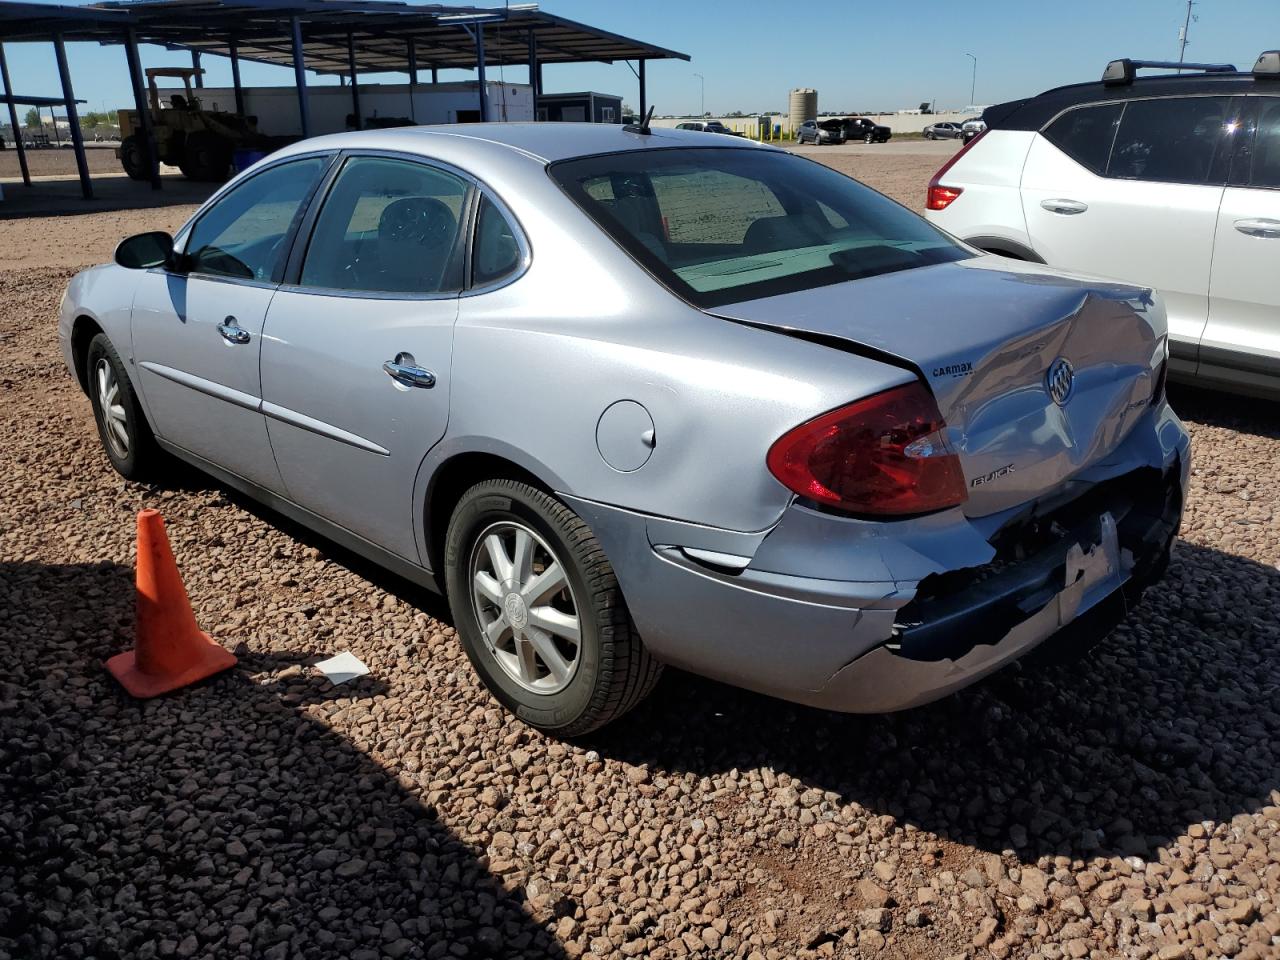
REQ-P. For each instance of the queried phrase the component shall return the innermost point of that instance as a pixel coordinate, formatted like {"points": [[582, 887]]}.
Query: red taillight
{"points": [[885, 455], [940, 197]]}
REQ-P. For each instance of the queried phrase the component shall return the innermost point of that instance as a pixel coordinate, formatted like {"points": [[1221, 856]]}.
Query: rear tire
{"points": [[518, 640], [126, 436]]}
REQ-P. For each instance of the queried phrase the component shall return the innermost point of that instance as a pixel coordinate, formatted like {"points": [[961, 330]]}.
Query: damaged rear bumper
{"points": [[871, 617]]}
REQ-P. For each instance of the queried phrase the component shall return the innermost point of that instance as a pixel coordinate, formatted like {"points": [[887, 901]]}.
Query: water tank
{"points": [[802, 106]]}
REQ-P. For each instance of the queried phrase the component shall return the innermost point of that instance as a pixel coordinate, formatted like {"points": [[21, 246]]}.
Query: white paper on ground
{"points": [[345, 666]]}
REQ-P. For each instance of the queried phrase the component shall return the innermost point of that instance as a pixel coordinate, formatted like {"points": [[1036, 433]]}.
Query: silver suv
{"points": [[1170, 181]]}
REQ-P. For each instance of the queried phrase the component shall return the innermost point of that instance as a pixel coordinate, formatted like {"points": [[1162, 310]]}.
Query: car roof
{"points": [[1032, 113], [542, 141]]}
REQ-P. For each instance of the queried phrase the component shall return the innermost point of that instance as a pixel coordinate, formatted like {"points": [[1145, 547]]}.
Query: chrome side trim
{"points": [[201, 385], [320, 428]]}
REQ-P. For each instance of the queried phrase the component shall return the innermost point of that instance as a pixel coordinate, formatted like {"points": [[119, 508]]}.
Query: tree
{"points": [[32, 119]]}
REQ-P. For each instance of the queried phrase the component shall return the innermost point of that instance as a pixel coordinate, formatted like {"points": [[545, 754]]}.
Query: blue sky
{"points": [[860, 55]]}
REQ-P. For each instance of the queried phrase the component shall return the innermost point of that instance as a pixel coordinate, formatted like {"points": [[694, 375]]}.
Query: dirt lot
{"points": [[1127, 806], [57, 162]]}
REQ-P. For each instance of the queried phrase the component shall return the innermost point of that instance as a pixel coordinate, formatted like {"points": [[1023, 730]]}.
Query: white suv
{"points": [[1170, 181]]}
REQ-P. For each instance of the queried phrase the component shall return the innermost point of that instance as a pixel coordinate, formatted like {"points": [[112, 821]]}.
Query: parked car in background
{"points": [[945, 130], [821, 131], [860, 128], [971, 128], [812, 445], [1171, 181], [706, 126]]}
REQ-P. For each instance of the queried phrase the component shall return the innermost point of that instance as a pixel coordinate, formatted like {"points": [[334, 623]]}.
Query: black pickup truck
{"points": [[860, 128]]}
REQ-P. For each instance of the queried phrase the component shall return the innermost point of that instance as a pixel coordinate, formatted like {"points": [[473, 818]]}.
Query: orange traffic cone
{"points": [[172, 651]]}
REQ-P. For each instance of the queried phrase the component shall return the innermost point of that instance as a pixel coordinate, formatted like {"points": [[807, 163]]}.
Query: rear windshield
{"points": [[721, 226]]}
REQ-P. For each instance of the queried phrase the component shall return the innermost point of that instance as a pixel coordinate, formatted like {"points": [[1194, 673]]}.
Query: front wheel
{"points": [[126, 436], [539, 611], [133, 157]]}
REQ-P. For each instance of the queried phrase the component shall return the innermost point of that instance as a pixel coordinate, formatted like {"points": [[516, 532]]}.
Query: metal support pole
{"points": [[644, 98], [300, 77], [484, 92], [13, 119], [73, 120], [233, 49], [195, 65], [413, 76], [142, 106], [435, 75], [533, 65], [355, 85]]}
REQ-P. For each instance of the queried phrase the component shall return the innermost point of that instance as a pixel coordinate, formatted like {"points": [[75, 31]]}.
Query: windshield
{"points": [[721, 226]]}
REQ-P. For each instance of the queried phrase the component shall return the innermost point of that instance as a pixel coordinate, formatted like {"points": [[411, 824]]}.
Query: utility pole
{"points": [[1182, 34], [973, 84], [703, 95]]}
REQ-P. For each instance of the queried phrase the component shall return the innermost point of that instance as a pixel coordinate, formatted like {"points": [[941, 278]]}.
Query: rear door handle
{"points": [[1064, 207], [232, 332], [1267, 229], [405, 370]]}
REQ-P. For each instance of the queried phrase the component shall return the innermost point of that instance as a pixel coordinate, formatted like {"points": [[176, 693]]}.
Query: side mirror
{"points": [[145, 250]]}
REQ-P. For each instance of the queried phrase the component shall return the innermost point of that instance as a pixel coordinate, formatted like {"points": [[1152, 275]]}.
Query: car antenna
{"points": [[642, 126]]}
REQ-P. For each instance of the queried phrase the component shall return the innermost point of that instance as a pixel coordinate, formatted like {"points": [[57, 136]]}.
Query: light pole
{"points": [[973, 84], [702, 97]]}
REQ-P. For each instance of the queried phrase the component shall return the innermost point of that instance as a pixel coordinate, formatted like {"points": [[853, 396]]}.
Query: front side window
{"points": [[1086, 134], [388, 226], [243, 234], [725, 225], [1174, 140]]}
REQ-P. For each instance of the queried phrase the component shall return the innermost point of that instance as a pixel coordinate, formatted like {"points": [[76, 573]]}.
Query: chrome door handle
{"points": [[1267, 229], [1064, 207], [232, 332], [404, 369]]}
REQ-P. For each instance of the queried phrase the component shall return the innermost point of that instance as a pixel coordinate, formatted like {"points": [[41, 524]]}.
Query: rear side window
{"points": [[387, 226], [1174, 140], [1085, 135], [496, 253], [1265, 168]]}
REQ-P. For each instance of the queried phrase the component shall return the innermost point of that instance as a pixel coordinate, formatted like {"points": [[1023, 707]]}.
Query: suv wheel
{"points": [[539, 611]]}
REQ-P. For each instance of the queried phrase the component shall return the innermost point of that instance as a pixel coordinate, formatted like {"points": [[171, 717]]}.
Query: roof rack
{"points": [[1268, 65], [1120, 72]]}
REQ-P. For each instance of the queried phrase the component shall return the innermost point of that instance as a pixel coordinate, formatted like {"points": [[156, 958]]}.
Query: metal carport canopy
{"points": [[341, 37]]}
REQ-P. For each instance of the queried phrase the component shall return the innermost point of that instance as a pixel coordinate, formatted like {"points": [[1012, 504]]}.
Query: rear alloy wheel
{"points": [[126, 437], [539, 611]]}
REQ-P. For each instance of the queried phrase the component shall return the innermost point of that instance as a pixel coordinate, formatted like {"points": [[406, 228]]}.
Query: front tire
{"points": [[539, 611], [133, 157], [126, 436]]}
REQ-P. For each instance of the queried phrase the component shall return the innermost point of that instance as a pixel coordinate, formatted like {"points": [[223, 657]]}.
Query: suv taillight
{"points": [[886, 455], [940, 197]]}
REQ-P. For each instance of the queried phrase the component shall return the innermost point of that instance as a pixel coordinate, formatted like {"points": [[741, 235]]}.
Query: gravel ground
{"points": [[1128, 806]]}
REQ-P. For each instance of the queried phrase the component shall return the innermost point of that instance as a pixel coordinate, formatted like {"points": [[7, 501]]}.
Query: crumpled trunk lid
{"points": [[984, 333]]}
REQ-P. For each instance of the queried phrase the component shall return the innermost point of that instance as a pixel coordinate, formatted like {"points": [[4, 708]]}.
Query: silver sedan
{"points": [[634, 398]]}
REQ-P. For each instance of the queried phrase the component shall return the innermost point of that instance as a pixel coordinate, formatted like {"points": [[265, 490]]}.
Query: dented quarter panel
{"points": [[983, 333]]}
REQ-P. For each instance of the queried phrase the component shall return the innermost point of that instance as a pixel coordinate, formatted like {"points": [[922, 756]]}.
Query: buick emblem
{"points": [[1059, 381]]}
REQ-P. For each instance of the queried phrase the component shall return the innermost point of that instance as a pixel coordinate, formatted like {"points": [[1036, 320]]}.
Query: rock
{"points": [[873, 895]]}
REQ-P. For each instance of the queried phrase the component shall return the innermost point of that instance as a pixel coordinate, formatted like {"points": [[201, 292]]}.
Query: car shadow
{"points": [[1172, 721], [1229, 411], [228, 819]]}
